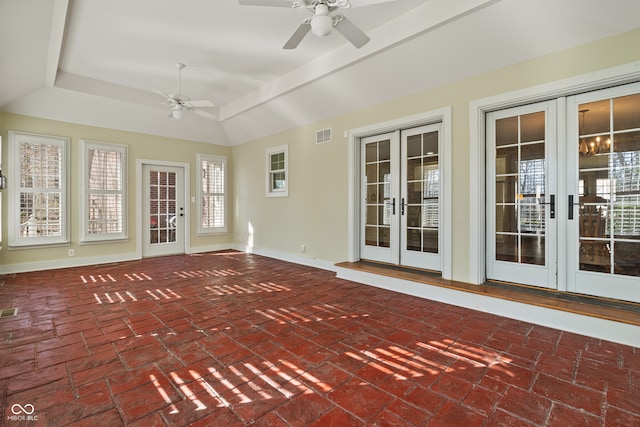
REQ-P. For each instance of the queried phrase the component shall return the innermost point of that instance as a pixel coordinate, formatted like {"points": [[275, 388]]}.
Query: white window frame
{"points": [[277, 192], [15, 237], [85, 236], [201, 230]]}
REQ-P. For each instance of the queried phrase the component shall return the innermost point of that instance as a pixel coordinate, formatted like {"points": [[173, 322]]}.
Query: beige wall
{"points": [[316, 212], [140, 146]]}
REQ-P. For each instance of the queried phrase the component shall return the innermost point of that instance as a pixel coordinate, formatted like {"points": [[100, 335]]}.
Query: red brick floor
{"points": [[230, 339]]}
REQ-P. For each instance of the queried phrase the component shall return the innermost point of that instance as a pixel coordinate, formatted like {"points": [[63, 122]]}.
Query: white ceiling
{"points": [[98, 62]]}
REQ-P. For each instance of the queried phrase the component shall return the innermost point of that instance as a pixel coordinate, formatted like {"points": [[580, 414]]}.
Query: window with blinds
{"points": [[38, 203], [104, 216], [212, 194]]}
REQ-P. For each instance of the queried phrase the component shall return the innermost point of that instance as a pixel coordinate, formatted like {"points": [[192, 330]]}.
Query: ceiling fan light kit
{"points": [[177, 113], [321, 23]]}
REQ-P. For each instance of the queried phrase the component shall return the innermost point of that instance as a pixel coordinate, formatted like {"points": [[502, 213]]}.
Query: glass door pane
{"points": [[609, 186], [423, 193], [420, 210], [378, 193], [379, 179], [162, 207], [520, 189]]}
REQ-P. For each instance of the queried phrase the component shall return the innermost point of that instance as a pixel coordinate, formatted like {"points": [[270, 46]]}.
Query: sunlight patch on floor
{"points": [[241, 384], [222, 290], [318, 313], [128, 296]]}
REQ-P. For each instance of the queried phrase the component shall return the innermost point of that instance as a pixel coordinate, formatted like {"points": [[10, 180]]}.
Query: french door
{"points": [[401, 188], [163, 210], [521, 195], [594, 216], [603, 180]]}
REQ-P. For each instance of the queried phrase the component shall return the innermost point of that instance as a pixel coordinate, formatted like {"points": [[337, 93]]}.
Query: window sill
{"points": [[276, 194], [212, 233], [38, 246]]}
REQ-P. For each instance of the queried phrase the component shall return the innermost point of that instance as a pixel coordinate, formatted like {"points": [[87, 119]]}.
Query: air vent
{"points": [[8, 312], [323, 135]]}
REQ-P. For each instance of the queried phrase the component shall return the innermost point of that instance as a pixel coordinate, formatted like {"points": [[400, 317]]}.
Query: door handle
{"points": [[402, 206], [393, 206], [571, 205], [552, 205]]}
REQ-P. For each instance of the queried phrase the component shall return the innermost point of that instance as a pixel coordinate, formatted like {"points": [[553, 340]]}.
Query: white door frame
{"points": [[623, 74], [139, 200], [354, 135]]}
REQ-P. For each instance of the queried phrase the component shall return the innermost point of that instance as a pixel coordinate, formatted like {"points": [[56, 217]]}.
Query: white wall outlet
{"points": [[303, 248], [72, 252]]}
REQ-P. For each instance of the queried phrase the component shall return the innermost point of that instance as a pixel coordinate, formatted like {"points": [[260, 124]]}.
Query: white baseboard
{"points": [[92, 260], [287, 256], [25, 267], [209, 248]]}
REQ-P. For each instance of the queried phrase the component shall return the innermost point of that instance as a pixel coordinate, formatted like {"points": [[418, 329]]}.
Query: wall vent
{"points": [[8, 312], [323, 135]]}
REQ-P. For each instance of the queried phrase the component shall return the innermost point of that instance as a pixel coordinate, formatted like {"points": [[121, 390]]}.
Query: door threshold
{"points": [[601, 308]]}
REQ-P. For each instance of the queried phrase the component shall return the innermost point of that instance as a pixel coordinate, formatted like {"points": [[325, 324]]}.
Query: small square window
{"points": [[277, 178]]}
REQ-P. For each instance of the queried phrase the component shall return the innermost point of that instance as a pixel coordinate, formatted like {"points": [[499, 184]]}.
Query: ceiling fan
{"points": [[323, 19], [179, 102]]}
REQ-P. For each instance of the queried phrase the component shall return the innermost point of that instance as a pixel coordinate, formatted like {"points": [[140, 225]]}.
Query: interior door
{"points": [[163, 210], [379, 195], [420, 207], [521, 188], [603, 178]]}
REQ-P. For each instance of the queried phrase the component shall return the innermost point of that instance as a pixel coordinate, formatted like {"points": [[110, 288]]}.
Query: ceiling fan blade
{"points": [[277, 3], [297, 36], [360, 3], [204, 114], [166, 95], [352, 33], [202, 103]]}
